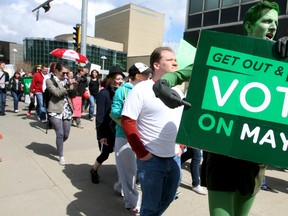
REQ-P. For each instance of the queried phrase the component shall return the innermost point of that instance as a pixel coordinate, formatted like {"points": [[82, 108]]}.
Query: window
{"points": [[244, 9], [210, 5], [194, 21], [195, 6], [229, 15], [211, 18], [229, 2]]}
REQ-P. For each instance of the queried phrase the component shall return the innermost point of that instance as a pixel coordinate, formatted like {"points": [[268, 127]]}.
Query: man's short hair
{"points": [[156, 55]]}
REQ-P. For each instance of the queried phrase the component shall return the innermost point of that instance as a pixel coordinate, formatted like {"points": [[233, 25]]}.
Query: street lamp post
{"points": [[14, 56], [103, 61]]}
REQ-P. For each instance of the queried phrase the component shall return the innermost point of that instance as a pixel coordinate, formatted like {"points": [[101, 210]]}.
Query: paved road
{"points": [[32, 183]]}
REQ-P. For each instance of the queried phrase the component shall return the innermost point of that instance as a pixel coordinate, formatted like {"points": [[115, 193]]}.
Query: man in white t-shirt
{"points": [[151, 128]]}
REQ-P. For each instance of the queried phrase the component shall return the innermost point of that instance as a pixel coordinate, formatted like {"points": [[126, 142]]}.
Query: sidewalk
{"points": [[32, 183]]}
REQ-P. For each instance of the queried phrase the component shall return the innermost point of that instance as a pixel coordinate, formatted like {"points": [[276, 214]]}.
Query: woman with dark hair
{"points": [[93, 86], [105, 126], [60, 108], [16, 89]]}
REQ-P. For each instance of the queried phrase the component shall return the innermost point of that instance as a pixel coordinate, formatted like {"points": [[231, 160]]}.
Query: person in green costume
{"points": [[232, 183]]}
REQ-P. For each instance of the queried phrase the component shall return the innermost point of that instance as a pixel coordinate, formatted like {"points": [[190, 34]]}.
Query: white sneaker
{"points": [[200, 190], [16, 111], [62, 161]]}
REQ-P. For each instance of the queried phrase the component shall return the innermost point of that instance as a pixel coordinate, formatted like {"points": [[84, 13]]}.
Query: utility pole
{"points": [[84, 27]]}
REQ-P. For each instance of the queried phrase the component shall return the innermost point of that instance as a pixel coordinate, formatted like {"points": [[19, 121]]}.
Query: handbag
{"points": [[86, 94]]}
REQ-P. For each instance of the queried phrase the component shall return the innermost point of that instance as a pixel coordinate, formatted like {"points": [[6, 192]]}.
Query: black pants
{"points": [[105, 150]]}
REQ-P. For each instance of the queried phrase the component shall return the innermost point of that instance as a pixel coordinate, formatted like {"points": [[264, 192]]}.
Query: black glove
{"points": [[168, 96], [282, 47]]}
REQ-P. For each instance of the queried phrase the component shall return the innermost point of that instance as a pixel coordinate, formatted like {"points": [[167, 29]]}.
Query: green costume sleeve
{"points": [[178, 77]]}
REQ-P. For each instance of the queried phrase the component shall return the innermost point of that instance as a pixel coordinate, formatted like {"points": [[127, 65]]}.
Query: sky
{"points": [[18, 21]]}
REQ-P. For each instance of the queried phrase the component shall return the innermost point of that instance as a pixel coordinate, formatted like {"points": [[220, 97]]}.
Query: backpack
{"points": [[47, 95]]}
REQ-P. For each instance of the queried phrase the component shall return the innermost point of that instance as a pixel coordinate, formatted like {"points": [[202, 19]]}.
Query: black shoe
{"points": [[94, 176], [269, 189], [2, 114]]}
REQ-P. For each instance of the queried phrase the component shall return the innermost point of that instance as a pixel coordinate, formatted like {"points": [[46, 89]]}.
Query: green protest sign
{"points": [[26, 82], [239, 96]]}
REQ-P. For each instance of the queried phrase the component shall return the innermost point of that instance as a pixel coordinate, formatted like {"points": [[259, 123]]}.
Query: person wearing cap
{"points": [[151, 129], [125, 157], [105, 126]]}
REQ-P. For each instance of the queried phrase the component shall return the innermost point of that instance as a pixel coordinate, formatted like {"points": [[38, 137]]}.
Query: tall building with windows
{"points": [[225, 16], [123, 36], [139, 29], [37, 51]]}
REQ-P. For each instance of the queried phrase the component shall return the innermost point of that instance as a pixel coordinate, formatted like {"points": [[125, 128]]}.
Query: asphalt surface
{"points": [[32, 183]]}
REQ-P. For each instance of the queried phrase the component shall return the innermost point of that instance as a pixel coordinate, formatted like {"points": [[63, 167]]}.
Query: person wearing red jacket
{"points": [[36, 89]]}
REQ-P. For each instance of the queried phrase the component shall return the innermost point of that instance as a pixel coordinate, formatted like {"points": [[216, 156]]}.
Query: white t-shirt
{"points": [[46, 76], [157, 124]]}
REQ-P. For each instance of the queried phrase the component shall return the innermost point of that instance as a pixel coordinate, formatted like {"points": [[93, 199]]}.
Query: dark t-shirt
{"points": [[94, 87]]}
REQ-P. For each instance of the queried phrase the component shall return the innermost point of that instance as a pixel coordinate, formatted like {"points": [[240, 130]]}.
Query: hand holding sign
{"points": [[282, 47], [168, 96]]}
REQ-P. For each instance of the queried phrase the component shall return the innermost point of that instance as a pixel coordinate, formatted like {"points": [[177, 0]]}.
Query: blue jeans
{"points": [[195, 155], [62, 130], [159, 178], [264, 184], [2, 100], [92, 101], [40, 108], [16, 97]]}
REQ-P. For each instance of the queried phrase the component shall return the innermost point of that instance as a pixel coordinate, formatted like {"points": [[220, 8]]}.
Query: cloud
{"points": [[64, 14]]}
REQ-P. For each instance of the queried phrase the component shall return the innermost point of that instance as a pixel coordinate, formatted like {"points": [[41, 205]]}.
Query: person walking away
{"points": [[81, 79], [60, 108], [32, 96], [105, 126], [151, 129], [16, 89], [232, 183], [4, 81], [125, 157]]}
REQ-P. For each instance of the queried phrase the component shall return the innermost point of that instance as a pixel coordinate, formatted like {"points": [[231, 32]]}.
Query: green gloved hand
{"points": [[282, 47]]}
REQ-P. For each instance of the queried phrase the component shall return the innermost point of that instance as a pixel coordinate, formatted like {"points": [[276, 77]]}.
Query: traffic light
{"points": [[46, 7], [77, 37]]}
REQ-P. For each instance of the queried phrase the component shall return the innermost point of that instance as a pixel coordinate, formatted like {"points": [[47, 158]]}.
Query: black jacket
{"points": [[105, 126], [13, 85], [82, 84]]}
